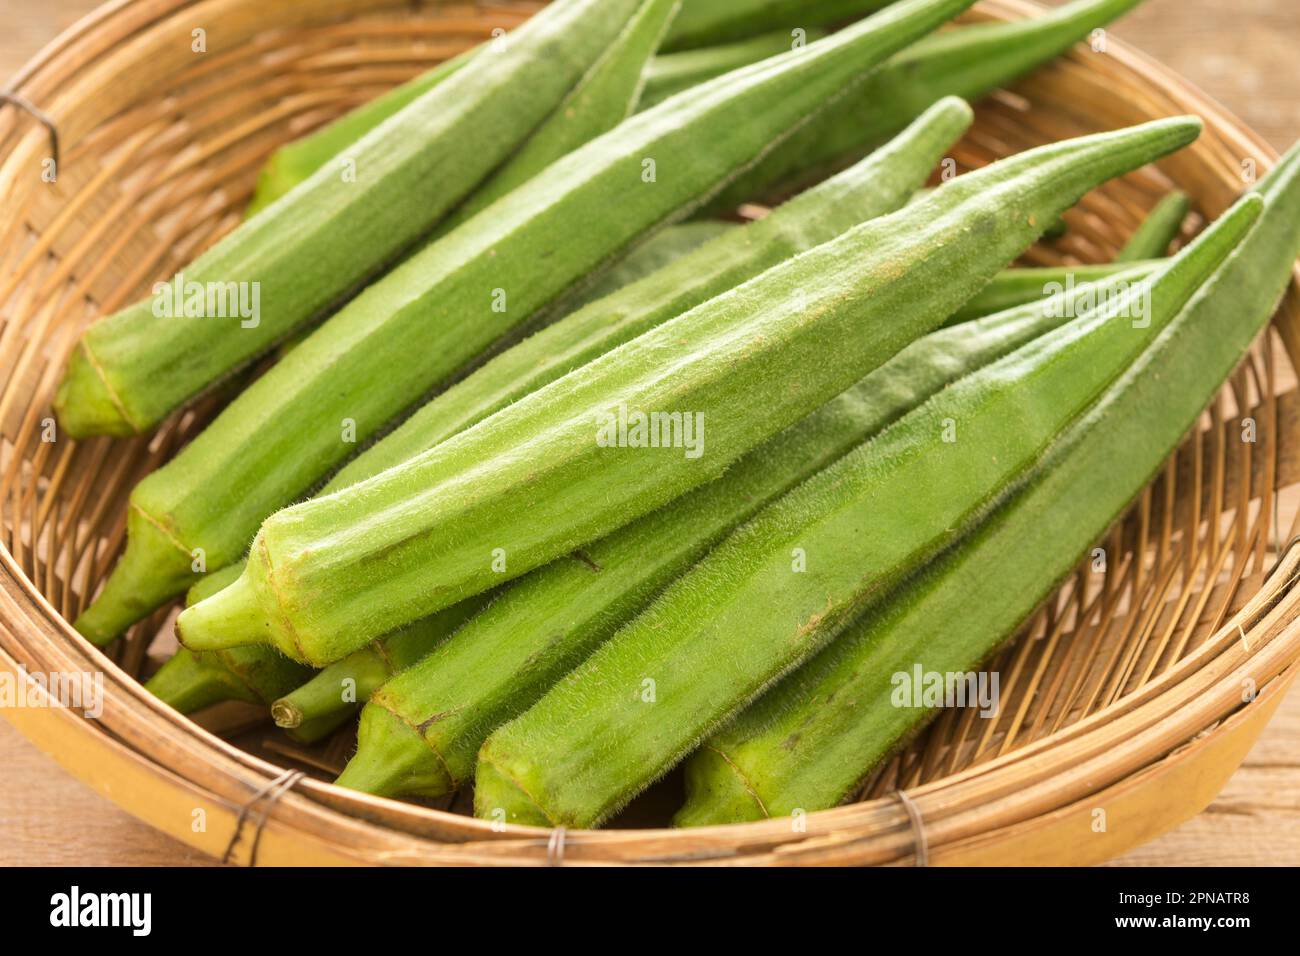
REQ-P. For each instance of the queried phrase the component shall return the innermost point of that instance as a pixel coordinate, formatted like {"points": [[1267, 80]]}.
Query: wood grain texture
{"points": [[1241, 53]]}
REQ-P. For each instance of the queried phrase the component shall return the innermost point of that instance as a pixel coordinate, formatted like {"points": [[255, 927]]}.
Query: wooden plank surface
{"points": [[1242, 53]]}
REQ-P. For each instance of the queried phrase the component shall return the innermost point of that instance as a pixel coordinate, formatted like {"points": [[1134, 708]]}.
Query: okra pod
{"points": [[1158, 230], [969, 62], [421, 732], [295, 162], [875, 186], [782, 586], [810, 741], [362, 369], [606, 96], [550, 472], [306, 253]]}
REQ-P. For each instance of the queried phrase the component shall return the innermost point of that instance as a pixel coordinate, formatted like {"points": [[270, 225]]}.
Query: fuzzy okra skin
{"points": [[810, 741], [873, 187], [658, 252], [555, 470], [333, 233], [297, 161], [670, 74], [969, 62], [1158, 230], [781, 587], [421, 732], [1012, 287], [705, 23], [432, 316], [606, 96]]}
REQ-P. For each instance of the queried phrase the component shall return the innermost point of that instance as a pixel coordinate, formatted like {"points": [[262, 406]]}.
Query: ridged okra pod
{"points": [[430, 317], [552, 472], [877, 185], [421, 733], [295, 162], [812, 739], [606, 96], [306, 253], [969, 61], [873, 187], [1158, 230], [782, 586]]}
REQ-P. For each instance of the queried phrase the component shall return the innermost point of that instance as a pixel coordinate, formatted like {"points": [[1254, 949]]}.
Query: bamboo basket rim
{"points": [[316, 822]]}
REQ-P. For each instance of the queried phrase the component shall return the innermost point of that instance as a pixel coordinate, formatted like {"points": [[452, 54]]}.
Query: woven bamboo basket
{"points": [[1129, 698]]}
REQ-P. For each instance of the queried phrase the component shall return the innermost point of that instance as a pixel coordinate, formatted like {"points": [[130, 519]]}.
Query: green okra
{"points": [[811, 740], [1160, 228], [552, 472], [875, 186], [295, 162], [969, 62], [432, 316], [421, 732], [1016, 286], [305, 254], [782, 586], [673, 73], [606, 96], [704, 23]]}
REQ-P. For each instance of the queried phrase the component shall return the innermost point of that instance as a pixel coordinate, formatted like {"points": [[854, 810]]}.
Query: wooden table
{"points": [[1243, 53]]}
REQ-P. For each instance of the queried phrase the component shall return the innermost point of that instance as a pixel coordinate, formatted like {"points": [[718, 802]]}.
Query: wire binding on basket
{"points": [[42, 117], [272, 793], [922, 844]]}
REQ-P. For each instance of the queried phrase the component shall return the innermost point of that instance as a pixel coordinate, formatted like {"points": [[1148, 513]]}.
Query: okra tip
{"points": [[393, 760], [84, 405]]}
